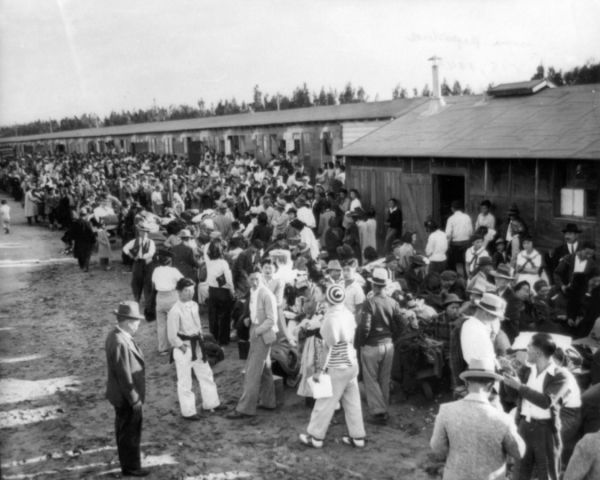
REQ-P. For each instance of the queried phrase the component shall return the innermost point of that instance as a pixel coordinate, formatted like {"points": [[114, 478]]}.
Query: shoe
{"points": [[309, 441], [192, 418], [218, 408], [235, 415], [140, 472], [354, 442]]}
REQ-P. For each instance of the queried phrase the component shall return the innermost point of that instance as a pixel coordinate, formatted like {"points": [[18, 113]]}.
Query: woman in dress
{"points": [[529, 263], [310, 339]]}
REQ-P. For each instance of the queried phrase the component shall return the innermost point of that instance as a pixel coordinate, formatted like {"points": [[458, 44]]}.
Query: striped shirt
{"points": [[339, 356], [337, 331]]}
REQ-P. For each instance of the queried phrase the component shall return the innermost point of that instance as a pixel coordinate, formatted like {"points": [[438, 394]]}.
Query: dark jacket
{"points": [[395, 220], [381, 321], [184, 261], [563, 275], [126, 382]]}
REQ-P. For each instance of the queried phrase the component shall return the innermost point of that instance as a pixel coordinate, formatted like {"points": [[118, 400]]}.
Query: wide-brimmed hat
{"points": [[571, 228], [480, 368], [480, 285], [128, 311], [379, 276], [492, 304], [185, 233], [451, 298], [593, 339], [503, 271], [334, 265]]}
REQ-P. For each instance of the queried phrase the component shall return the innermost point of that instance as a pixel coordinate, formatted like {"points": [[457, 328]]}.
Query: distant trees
{"points": [[300, 97], [588, 73]]}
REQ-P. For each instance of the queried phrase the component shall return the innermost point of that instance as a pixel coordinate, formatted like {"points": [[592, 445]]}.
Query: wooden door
{"points": [[416, 199]]}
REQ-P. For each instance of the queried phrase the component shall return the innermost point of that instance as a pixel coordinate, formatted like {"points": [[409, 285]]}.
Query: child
{"points": [[5, 215]]}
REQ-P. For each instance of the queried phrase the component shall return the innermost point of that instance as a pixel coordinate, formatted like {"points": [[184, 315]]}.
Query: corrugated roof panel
{"points": [[556, 123]]}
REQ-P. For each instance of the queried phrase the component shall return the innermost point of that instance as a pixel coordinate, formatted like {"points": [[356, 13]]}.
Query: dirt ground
{"points": [[55, 422]]}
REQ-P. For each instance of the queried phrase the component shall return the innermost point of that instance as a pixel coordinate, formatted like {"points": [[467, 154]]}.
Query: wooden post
{"points": [[536, 191], [485, 177]]}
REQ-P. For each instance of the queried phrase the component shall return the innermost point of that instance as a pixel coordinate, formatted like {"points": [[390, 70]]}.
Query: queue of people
{"points": [[282, 264]]}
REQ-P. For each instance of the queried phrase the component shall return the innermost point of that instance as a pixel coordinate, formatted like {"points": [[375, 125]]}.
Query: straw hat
{"points": [[492, 304], [128, 311], [480, 368]]}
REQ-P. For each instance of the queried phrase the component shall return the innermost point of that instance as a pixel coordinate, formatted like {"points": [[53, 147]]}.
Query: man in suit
{"points": [[472, 425], [259, 389], [393, 223], [572, 277], [126, 387], [83, 237], [542, 389], [141, 250], [570, 246]]}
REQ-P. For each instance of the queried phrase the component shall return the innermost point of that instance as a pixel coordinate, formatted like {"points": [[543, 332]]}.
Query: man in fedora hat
{"points": [[141, 250], [473, 424], [570, 245], [126, 386], [382, 322], [572, 276], [503, 278], [479, 331]]}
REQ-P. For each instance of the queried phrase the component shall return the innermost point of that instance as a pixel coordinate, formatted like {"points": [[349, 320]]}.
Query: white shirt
{"points": [[355, 296], [459, 227], [437, 246], [5, 212], [472, 257], [307, 236], [165, 278], [305, 215], [485, 221], [157, 197], [216, 268], [580, 265], [536, 382], [572, 247], [476, 340], [183, 318], [140, 255]]}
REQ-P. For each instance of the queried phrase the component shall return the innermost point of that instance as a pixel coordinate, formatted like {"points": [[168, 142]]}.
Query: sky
{"points": [[67, 57]]}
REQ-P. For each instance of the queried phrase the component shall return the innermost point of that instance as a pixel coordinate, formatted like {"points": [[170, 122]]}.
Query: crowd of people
{"points": [[289, 266]]}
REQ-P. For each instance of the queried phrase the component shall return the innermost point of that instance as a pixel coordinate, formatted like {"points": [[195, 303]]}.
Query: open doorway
{"points": [[446, 189]]}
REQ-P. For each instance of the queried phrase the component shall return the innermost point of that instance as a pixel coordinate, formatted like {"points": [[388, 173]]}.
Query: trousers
{"points": [[377, 372], [220, 304], [164, 303], [208, 388], [128, 430], [542, 454], [258, 381], [137, 279], [344, 383]]}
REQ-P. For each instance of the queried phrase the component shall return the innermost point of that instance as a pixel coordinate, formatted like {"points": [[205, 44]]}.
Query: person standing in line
{"points": [[381, 323], [164, 281], [259, 389], [393, 223], [83, 237], [541, 392], [126, 387], [459, 229], [436, 248], [473, 424], [141, 250], [5, 216], [220, 293], [337, 331], [184, 331]]}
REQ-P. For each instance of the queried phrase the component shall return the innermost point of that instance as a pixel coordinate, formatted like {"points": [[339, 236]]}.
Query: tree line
{"points": [[300, 97]]}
